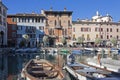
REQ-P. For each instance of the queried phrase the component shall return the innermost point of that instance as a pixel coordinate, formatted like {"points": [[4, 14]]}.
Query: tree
{"points": [[113, 41], [64, 41], [45, 40], [27, 38], [98, 41], [80, 40]]}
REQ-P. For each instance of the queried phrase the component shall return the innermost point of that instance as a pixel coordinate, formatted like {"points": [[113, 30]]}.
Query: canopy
{"points": [[64, 51], [76, 52]]}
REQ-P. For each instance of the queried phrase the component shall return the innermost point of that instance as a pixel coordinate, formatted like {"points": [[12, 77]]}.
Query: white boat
{"points": [[84, 72]]}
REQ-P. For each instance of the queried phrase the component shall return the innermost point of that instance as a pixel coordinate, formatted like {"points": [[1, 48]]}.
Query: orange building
{"points": [[58, 25], [12, 30]]}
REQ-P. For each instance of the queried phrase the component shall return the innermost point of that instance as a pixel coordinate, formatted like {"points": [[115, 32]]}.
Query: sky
{"points": [[83, 9]]}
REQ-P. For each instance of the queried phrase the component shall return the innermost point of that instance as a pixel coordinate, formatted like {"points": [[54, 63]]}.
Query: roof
{"points": [[25, 15], [90, 22], [58, 12]]}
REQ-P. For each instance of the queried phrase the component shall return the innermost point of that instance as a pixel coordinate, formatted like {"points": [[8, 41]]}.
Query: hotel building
{"points": [[26, 24], [99, 26]]}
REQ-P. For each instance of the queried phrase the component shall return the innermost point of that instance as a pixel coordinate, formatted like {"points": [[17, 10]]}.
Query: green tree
{"points": [[80, 40], [22, 43], [113, 41], [98, 41], [27, 38], [45, 40], [64, 41]]}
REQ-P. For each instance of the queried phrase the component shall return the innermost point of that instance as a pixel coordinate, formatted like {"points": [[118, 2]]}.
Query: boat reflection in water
{"points": [[37, 69]]}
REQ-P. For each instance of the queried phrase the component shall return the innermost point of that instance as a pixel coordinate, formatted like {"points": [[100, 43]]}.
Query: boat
{"points": [[40, 69], [84, 72]]}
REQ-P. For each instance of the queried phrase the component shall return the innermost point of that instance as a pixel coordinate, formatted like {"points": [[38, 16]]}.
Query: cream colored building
{"points": [[98, 27]]}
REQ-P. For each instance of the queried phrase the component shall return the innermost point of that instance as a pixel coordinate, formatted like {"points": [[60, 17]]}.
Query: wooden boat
{"points": [[41, 70], [82, 71]]}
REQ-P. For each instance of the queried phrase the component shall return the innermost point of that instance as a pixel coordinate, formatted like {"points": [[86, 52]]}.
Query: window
{"points": [[110, 36], [13, 34], [101, 29], [19, 27], [14, 19], [117, 37], [110, 29], [68, 22], [73, 29], [42, 20], [107, 37], [107, 30], [101, 36], [96, 29], [74, 37], [13, 27], [32, 19], [19, 35], [55, 22], [4, 12], [41, 27], [0, 10], [117, 30], [96, 35], [88, 37], [0, 20], [65, 31]]}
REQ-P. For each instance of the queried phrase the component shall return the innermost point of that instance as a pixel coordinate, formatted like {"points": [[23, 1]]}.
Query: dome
{"points": [[107, 18]]}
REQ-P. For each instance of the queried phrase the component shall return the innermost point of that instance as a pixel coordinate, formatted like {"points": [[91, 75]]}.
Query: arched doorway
{"points": [[1, 38]]}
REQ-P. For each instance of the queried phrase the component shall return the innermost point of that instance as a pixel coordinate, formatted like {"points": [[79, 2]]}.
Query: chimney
{"points": [[78, 19], [33, 12], [51, 9], [42, 11], [65, 9]]}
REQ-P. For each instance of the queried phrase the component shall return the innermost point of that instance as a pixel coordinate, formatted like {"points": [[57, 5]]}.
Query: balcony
{"points": [[30, 30], [58, 27]]}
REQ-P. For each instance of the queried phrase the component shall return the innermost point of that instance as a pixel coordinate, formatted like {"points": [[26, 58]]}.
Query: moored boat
{"points": [[81, 71], [40, 69]]}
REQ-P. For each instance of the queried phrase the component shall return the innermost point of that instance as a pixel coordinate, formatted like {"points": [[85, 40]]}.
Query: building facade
{"points": [[98, 27], [31, 25], [3, 24], [58, 25]]}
